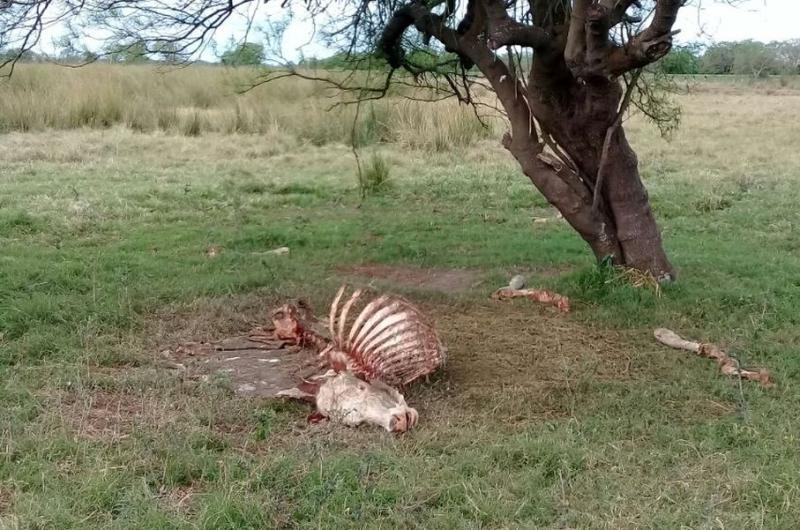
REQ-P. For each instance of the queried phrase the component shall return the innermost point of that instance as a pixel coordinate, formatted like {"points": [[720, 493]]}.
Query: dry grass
{"points": [[207, 99]]}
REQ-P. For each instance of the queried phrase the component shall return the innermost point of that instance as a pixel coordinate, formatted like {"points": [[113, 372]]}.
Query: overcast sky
{"points": [[763, 20], [703, 20], [707, 20]]}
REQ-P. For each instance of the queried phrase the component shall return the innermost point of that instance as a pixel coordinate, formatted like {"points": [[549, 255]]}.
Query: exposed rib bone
{"points": [[368, 309], [345, 310], [374, 320], [389, 341], [334, 308]]}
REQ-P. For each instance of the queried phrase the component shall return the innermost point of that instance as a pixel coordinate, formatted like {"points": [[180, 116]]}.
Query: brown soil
{"points": [[515, 359], [254, 368], [104, 414], [447, 280]]}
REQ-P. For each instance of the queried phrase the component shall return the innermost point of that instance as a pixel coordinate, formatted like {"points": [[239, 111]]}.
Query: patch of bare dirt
{"points": [[531, 274], [255, 368], [5, 498], [522, 343], [104, 415], [446, 280], [517, 359], [178, 499], [512, 359]]}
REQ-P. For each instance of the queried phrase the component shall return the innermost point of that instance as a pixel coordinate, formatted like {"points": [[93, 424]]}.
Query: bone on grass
{"points": [[538, 295], [376, 344], [727, 364]]}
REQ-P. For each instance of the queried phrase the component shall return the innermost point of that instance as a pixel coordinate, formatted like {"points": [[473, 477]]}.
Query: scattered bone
{"points": [[280, 251], [727, 364], [296, 393], [538, 295], [213, 251], [540, 220], [232, 359]]}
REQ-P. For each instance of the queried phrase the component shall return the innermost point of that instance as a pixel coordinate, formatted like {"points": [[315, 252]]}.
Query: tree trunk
{"points": [[628, 206], [622, 227]]}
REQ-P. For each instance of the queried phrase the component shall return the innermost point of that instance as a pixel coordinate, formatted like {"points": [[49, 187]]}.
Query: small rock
{"points": [[517, 282]]}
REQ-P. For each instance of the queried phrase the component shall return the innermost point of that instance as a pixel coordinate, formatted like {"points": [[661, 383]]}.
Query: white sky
{"points": [[764, 20], [702, 20]]}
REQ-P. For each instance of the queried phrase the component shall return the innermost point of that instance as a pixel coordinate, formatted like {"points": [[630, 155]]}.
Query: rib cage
{"points": [[387, 339]]}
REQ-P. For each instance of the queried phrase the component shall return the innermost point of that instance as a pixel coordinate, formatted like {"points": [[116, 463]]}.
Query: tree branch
{"points": [[502, 30], [651, 44], [427, 23], [576, 37]]}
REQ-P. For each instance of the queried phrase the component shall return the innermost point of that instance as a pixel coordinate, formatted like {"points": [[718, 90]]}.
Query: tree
{"points": [[718, 58], [244, 54], [788, 56], [128, 53], [754, 58], [565, 111], [563, 71], [681, 60]]}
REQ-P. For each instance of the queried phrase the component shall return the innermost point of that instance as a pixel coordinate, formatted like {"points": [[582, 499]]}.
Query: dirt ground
{"points": [[518, 354], [512, 360], [445, 280], [255, 368]]}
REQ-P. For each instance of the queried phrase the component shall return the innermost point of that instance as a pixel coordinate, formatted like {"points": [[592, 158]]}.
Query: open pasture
{"points": [[539, 420]]}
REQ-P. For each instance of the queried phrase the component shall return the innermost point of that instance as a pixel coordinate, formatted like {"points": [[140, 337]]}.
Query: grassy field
{"points": [[540, 420]]}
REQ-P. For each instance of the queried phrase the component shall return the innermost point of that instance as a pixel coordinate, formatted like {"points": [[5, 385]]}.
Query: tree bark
{"points": [[629, 206], [619, 224]]}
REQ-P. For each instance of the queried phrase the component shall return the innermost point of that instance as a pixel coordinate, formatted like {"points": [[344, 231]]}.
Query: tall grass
{"points": [[200, 99]]}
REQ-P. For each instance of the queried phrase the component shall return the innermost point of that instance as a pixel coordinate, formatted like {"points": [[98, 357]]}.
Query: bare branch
{"points": [[649, 45], [502, 30]]}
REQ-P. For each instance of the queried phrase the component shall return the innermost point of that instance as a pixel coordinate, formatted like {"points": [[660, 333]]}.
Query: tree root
{"points": [[727, 364]]}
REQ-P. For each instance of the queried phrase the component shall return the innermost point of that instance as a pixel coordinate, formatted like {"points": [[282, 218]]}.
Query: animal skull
{"points": [[350, 400]]}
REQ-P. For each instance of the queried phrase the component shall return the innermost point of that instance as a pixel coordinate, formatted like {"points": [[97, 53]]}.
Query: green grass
{"points": [[104, 237]]}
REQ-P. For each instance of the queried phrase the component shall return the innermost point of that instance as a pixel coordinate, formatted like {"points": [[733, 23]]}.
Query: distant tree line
{"points": [[236, 54], [748, 57]]}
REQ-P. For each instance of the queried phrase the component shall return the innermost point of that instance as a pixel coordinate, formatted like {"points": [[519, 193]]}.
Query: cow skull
{"points": [[345, 398]]}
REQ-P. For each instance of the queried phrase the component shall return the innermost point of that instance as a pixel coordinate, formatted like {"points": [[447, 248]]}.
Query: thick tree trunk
{"points": [[622, 227], [629, 208]]}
